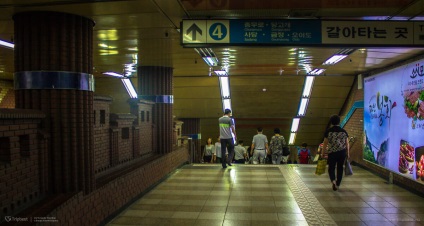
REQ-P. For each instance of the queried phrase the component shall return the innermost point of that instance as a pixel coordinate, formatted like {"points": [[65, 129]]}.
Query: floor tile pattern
{"points": [[314, 212], [206, 194]]}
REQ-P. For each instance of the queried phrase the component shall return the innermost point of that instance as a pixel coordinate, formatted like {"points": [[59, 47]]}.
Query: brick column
{"points": [[191, 128], [53, 73], [155, 84]]}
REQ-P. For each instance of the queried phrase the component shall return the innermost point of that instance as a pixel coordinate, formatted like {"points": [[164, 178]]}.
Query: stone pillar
{"points": [[191, 128], [155, 84], [53, 73], [178, 132]]}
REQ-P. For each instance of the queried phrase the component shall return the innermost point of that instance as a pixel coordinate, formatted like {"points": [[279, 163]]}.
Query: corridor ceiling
{"points": [[266, 81]]}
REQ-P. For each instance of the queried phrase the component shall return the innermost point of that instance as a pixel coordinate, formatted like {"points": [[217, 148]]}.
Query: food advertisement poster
{"points": [[394, 120]]}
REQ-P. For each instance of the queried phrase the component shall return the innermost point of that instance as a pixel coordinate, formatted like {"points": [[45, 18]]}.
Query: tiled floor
{"points": [[272, 195]]}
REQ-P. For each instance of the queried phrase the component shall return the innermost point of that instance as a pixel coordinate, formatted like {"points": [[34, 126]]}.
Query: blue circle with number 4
{"points": [[218, 31]]}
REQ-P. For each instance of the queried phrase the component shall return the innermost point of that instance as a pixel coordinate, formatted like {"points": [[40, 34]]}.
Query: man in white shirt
{"points": [[259, 147], [240, 153]]}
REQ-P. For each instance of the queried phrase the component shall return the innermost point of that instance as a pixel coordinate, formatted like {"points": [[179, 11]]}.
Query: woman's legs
{"points": [[336, 158], [340, 161], [276, 159], [332, 166], [207, 159]]}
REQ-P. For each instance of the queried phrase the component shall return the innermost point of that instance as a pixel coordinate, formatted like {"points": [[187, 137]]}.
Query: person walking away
{"points": [[303, 154], [217, 154], [240, 153], [208, 152], [276, 146], [337, 140], [226, 131], [321, 152], [259, 147]]}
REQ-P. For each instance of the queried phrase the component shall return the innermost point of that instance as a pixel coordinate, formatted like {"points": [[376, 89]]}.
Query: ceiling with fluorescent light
{"points": [[266, 82]]}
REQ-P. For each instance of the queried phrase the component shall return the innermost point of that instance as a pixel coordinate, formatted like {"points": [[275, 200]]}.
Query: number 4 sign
{"points": [[218, 31]]}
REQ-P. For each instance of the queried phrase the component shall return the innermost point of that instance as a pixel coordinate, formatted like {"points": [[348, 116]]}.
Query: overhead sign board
{"points": [[367, 32], [194, 31], [205, 31], [278, 32], [202, 33]]}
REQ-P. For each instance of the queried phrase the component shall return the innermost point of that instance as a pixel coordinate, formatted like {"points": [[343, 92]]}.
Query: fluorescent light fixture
{"points": [[208, 56], [221, 73], [224, 83], [211, 61], [130, 88], [114, 74], [106, 52], [307, 88], [292, 138], [295, 125], [226, 103], [303, 105], [129, 69], [7, 44], [316, 71], [334, 59], [345, 51]]}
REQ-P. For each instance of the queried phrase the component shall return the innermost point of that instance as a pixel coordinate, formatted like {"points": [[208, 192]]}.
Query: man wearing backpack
{"points": [[304, 154], [276, 146]]}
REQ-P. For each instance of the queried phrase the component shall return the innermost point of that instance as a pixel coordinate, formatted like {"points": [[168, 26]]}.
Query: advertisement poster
{"points": [[394, 120]]}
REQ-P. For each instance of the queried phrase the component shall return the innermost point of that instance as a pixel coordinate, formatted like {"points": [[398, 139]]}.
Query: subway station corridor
{"points": [[272, 195]]}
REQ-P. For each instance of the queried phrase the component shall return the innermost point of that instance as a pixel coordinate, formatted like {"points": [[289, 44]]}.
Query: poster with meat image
{"points": [[406, 159], [413, 94], [394, 120], [419, 163]]}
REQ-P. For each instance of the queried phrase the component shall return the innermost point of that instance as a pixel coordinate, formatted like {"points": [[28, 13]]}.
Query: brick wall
{"points": [[123, 125], [7, 94], [101, 133], [355, 127], [24, 169], [142, 109], [23, 149]]}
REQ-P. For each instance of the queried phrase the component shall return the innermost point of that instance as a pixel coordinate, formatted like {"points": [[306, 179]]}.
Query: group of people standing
{"points": [[335, 147], [224, 147]]}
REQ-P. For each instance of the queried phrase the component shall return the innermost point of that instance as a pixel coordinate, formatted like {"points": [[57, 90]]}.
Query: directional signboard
{"points": [[202, 33], [419, 32], [205, 31], [218, 31], [277, 32], [194, 31]]}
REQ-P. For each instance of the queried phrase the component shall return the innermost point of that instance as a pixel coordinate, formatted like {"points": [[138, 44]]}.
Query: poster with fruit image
{"points": [[394, 120]]}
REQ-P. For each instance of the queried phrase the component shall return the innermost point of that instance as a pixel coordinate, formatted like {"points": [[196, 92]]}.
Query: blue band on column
{"points": [[195, 136], [165, 99], [53, 80]]}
